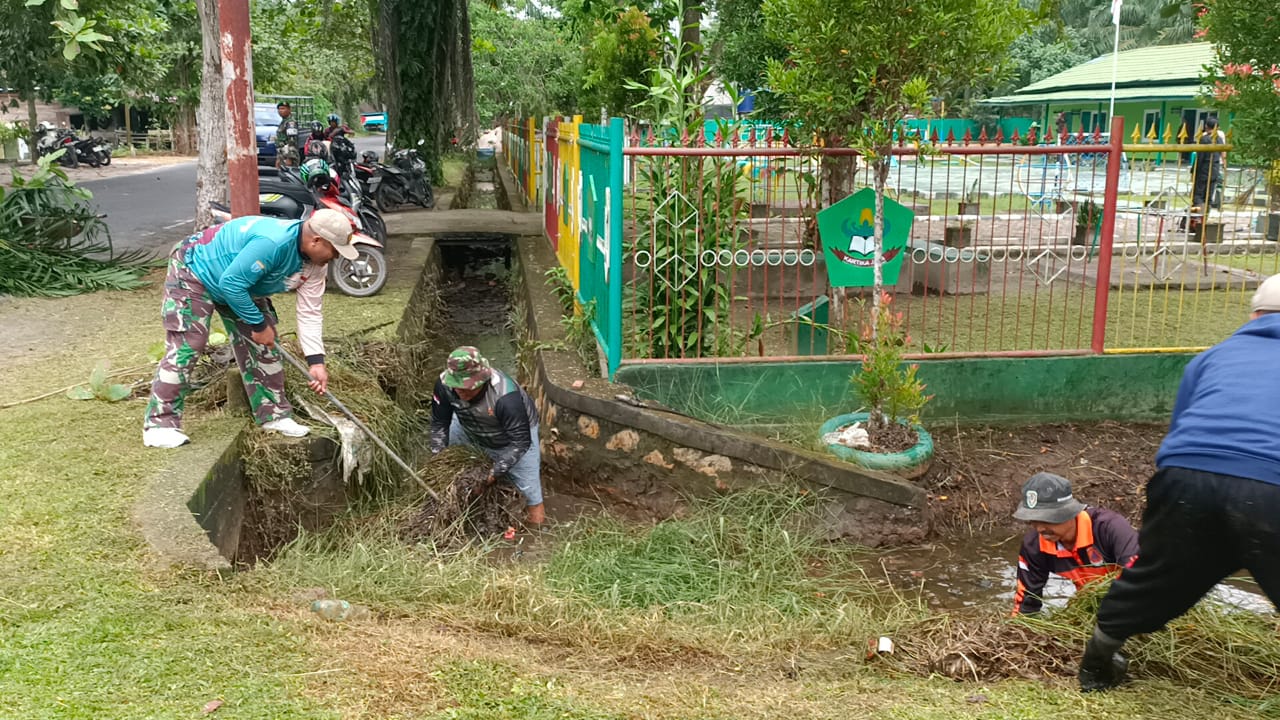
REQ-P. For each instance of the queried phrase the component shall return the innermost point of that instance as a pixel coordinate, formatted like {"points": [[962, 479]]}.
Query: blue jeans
{"points": [[526, 474]]}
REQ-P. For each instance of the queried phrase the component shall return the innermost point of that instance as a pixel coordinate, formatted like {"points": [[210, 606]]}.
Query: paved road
{"points": [[148, 210], [153, 209]]}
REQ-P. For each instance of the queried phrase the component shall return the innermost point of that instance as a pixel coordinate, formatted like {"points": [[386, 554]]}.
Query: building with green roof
{"points": [[1159, 87]]}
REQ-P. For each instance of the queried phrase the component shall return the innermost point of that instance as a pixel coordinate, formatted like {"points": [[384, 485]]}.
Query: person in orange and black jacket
{"points": [[1066, 538]]}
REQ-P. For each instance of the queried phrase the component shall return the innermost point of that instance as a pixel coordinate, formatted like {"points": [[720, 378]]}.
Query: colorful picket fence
{"points": [[691, 248]]}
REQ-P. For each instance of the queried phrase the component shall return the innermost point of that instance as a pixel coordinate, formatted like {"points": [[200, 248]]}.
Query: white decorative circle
{"points": [[808, 257], [642, 258]]}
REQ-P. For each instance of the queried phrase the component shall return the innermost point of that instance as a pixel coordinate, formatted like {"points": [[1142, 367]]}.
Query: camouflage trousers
{"points": [[187, 312]]}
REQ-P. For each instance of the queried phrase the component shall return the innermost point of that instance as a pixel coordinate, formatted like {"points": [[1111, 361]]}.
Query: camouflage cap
{"points": [[467, 369]]}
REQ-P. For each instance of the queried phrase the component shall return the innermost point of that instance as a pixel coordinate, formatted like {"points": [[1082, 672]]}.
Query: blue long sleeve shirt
{"points": [[248, 257], [1224, 418]]}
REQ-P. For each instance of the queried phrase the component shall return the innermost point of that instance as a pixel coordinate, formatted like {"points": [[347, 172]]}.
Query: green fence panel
{"points": [[600, 234]]}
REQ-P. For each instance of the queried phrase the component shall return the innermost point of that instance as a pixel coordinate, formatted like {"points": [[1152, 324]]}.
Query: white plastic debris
{"points": [[356, 454], [854, 436]]}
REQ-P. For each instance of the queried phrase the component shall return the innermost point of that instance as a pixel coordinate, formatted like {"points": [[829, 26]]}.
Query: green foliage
{"points": [[99, 388], [891, 391], [52, 241], [740, 49], [576, 320], [525, 66], [316, 49], [682, 307], [1142, 23], [1246, 78], [856, 67], [1088, 216], [619, 54]]}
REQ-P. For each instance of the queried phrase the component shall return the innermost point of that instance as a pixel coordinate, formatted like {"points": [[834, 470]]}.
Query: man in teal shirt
{"points": [[232, 269]]}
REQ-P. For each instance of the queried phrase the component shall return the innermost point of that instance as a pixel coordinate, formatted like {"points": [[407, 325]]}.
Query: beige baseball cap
{"points": [[336, 228], [1267, 297]]}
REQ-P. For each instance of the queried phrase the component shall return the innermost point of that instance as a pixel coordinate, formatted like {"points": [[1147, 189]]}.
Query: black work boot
{"points": [[1102, 666]]}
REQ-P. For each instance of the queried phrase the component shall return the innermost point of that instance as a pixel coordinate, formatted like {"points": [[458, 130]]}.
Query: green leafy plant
{"points": [[1088, 216], [54, 243], [579, 335], [892, 391], [99, 388], [558, 280], [682, 306], [1244, 80]]}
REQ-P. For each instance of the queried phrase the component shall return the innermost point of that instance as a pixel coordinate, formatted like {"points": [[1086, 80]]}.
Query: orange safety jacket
{"points": [[1105, 542]]}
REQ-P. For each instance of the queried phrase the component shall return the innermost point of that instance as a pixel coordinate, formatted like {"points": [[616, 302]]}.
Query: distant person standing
{"points": [[1213, 504], [1206, 169], [286, 137]]}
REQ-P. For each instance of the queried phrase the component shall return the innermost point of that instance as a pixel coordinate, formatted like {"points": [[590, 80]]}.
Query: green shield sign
{"points": [[847, 230]]}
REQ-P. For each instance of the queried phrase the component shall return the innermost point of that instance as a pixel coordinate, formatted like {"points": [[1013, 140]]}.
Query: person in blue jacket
{"points": [[1213, 504], [232, 269]]}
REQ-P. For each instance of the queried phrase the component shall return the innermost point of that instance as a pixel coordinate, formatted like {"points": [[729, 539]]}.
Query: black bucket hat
{"points": [[1047, 498]]}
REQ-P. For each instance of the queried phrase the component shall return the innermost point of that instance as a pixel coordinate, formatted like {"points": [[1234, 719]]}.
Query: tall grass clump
{"points": [[746, 567], [744, 574], [1235, 652]]}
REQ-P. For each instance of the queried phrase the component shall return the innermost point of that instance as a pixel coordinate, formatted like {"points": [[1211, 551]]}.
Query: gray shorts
{"points": [[526, 474]]}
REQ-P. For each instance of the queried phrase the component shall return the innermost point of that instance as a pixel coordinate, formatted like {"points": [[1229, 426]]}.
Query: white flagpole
{"points": [[1115, 60]]}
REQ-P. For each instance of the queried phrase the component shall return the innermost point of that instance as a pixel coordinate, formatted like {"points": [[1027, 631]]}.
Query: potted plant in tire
{"points": [[888, 436], [1088, 220]]}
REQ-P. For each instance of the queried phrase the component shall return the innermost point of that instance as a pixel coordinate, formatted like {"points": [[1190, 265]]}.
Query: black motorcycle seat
{"points": [[291, 190]]}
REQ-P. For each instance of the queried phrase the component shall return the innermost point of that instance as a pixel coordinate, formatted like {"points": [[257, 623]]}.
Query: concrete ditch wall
{"points": [[1089, 388]]}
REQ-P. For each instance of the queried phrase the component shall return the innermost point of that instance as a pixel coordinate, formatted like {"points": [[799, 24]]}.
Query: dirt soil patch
{"points": [[978, 472]]}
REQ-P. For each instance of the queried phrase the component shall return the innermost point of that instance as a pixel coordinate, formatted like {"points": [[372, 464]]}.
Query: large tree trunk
{"points": [[32, 121], [466, 79], [211, 178], [384, 30], [184, 120], [445, 53]]}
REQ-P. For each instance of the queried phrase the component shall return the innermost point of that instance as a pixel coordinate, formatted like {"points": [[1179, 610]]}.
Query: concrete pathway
{"points": [[463, 222]]}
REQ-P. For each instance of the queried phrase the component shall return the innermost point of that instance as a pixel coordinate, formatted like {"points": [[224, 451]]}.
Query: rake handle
{"points": [[360, 424]]}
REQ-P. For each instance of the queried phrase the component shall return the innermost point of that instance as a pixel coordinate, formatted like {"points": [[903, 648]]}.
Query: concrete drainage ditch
{"points": [[480, 283]]}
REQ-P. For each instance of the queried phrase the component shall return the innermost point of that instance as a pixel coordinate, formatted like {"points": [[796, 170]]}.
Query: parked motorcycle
{"points": [[352, 188], [283, 194], [50, 139], [418, 186], [93, 151], [403, 182]]}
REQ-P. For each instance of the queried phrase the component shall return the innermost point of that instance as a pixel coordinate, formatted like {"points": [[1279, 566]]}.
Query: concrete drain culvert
{"points": [[266, 488]]}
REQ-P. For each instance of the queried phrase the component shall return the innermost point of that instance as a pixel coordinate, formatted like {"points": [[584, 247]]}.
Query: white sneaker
{"points": [[164, 437], [287, 427]]}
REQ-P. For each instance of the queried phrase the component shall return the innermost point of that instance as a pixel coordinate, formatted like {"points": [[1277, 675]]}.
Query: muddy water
{"points": [[475, 285], [980, 572], [476, 302]]}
